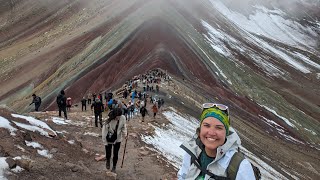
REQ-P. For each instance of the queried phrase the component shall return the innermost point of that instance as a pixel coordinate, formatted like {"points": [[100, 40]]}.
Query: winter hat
{"points": [[218, 114]]}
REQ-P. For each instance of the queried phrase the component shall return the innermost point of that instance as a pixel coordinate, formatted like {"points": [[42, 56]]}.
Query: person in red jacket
{"points": [[154, 110], [69, 103]]}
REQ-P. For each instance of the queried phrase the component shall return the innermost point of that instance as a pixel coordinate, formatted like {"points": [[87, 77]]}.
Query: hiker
{"points": [[154, 110], [69, 103], [110, 96], [100, 97], [37, 102], [84, 104], [97, 108], [125, 109], [130, 110], [143, 111], [112, 135], [94, 95], [62, 104], [142, 104], [125, 94], [159, 104], [133, 95], [209, 152]]}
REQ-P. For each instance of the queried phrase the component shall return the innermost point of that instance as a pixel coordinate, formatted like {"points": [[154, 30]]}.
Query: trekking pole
{"points": [[124, 150]]}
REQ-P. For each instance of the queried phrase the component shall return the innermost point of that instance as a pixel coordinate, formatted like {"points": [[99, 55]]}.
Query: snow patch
{"points": [[19, 147], [4, 123], [45, 153], [3, 167], [34, 121], [71, 141], [281, 117], [59, 121], [17, 169], [91, 134], [312, 132], [271, 24], [168, 140], [34, 144], [32, 128]]}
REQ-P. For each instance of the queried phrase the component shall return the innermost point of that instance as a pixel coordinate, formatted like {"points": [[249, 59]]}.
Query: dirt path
{"points": [[78, 144]]}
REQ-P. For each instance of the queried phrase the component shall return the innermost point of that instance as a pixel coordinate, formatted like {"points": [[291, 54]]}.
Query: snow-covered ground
{"points": [[270, 24]]}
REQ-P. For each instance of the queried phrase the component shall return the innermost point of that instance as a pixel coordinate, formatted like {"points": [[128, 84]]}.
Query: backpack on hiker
{"points": [[60, 100], [112, 137], [234, 164], [232, 169], [38, 100]]}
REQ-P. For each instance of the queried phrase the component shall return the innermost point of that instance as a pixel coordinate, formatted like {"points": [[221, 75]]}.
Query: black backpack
{"points": [[60, 100], [38, 100], [112, 137]]}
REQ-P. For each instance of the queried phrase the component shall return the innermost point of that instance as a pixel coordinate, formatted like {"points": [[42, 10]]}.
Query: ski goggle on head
{"points": [[221, 107], [218, 111]]}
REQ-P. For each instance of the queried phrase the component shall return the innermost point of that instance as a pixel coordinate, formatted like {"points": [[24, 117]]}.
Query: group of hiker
{"points": [[212, 153]]}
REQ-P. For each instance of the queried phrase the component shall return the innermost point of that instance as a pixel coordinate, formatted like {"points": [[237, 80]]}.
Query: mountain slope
{"points": [[259, 58]]}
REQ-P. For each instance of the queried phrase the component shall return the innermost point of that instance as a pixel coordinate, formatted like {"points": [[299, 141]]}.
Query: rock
{"points": [[54, 150], [70, 165], [73, 167], [11, 162], [50, 133], [100, 158], [111, 175], [144, 153], [27, 136], [24, 163], [3, 152], [85, 150], [76, 168], [133, 135], [60, 136], [84, 167]]}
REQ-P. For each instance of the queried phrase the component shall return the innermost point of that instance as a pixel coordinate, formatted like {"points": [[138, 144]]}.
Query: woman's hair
{"points": [[198, 131], [114, 113]]}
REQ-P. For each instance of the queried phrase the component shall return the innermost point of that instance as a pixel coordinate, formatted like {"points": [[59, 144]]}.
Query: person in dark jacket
{"points": [[37, 102], [62, 104], [143, 111], [97, 107], [84, 103]]}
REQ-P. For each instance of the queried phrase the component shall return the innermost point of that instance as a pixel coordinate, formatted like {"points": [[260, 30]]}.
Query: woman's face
{"points": [[212, 133]]}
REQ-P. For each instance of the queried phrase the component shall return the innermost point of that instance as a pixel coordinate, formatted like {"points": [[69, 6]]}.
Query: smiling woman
{"points": [[210, 153]]}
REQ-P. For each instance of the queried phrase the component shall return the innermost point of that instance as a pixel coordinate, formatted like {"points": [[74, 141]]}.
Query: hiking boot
{"points": [[113, 169], [108, 164]]}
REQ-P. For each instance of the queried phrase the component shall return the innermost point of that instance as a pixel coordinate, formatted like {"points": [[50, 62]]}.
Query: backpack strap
{"points": [[234, 164], [195, 161]]}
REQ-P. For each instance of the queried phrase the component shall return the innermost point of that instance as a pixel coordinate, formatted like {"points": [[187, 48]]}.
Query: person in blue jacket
{"points": [[209, 152]]}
